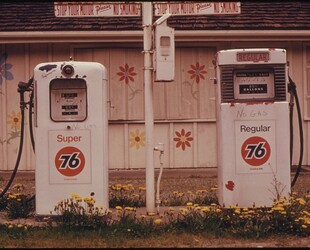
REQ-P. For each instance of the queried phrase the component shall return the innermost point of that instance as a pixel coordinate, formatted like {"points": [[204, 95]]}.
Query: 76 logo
{"points": [[69, 161], [255, 151]]}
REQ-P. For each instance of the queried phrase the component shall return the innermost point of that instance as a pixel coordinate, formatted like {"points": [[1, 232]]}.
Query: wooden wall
{"points": [[184, 110]]}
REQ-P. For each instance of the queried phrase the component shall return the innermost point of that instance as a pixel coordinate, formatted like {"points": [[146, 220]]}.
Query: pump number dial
{"points": [[255, 151], [70, 161]]}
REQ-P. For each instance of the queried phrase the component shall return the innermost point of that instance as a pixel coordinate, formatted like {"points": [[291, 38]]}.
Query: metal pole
{"points": [[147, 18]]}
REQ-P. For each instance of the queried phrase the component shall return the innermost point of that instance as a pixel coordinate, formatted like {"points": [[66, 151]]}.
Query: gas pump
{"points": [[253, 127], [71, 125]]}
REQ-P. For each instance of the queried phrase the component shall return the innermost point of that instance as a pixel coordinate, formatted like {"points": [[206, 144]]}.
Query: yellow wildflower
{"points": [[205, 209], [158, 221], [301, 201]]}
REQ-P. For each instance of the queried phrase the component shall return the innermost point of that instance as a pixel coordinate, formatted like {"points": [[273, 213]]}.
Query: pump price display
{"points": [[255, 151], [70, 161], [256, 83]]}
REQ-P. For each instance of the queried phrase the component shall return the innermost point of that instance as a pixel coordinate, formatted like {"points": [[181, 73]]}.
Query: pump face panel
{"points": [[252, 126], [68, 100]]}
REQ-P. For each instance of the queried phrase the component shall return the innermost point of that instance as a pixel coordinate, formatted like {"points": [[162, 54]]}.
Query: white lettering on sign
{"points": [[254, 129], [68, 139], [84, 9], [253, 57]]}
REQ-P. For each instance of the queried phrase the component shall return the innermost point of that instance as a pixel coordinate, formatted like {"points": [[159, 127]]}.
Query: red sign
{"points": [[69, 161], [253, 57], [255, 151]]}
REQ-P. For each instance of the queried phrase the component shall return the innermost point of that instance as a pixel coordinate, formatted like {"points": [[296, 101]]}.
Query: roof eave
{"points": [[134, 36]]}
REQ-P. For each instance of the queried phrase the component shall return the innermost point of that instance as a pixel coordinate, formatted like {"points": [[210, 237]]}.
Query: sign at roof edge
{"points": [[113, 9]]}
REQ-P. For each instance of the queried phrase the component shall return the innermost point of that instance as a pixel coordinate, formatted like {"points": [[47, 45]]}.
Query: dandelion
{"points": [[129, 208], [158, 221], [198, 208], [205, 209], [306, 212], [19, 187], [301, 201], [118, 208], [183, 211], [237, 211], [277, 209]]}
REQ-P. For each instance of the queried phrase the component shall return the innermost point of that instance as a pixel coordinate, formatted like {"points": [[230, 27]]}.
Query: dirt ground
{"points": [[181, 180]]}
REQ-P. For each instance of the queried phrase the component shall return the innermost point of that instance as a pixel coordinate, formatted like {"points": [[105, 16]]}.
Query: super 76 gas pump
{"points": [[253, 127], [71, 133]]}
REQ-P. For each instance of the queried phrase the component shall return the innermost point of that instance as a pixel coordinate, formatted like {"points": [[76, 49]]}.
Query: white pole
{"points": [[147, 18]]}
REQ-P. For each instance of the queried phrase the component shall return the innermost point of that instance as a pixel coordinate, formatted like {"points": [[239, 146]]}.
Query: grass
{"points": [[61, 236]]}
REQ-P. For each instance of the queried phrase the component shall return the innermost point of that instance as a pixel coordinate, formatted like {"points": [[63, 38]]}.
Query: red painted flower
{"points": [[126, 73], [197, 72], [183, 139]]}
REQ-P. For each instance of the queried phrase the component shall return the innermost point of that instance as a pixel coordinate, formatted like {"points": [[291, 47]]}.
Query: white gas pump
{"points": [[252, 127], [71, 127]]}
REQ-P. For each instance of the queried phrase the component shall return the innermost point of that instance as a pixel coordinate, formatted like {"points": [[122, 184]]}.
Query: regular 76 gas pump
{"points": [[253, 127], [71, 132]]}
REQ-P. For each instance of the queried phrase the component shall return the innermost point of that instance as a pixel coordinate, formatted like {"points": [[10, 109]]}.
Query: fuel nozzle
{"points": [[25, 86]]}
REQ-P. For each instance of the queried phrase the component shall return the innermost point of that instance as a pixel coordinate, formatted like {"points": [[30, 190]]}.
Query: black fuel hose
{"points": [[22, 88], [30, 121], [292, 89], [21, 143]]}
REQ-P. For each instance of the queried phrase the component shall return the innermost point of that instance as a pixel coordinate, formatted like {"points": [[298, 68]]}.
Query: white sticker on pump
{"points": [[69, 156], [255, 146]]}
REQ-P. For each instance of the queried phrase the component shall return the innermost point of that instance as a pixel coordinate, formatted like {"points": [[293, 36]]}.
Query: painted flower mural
{"points": [[197, 72], [4, 68], [137, 139], [183, 139], [127, 75], [14, 121]]}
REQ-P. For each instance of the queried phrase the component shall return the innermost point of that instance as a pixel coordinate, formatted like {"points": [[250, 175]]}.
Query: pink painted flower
{"points": [[126, 73], [183, 139], [197, 72]]}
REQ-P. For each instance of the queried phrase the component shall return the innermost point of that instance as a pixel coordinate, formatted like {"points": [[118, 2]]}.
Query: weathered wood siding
{"points": [[184, 110]]}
